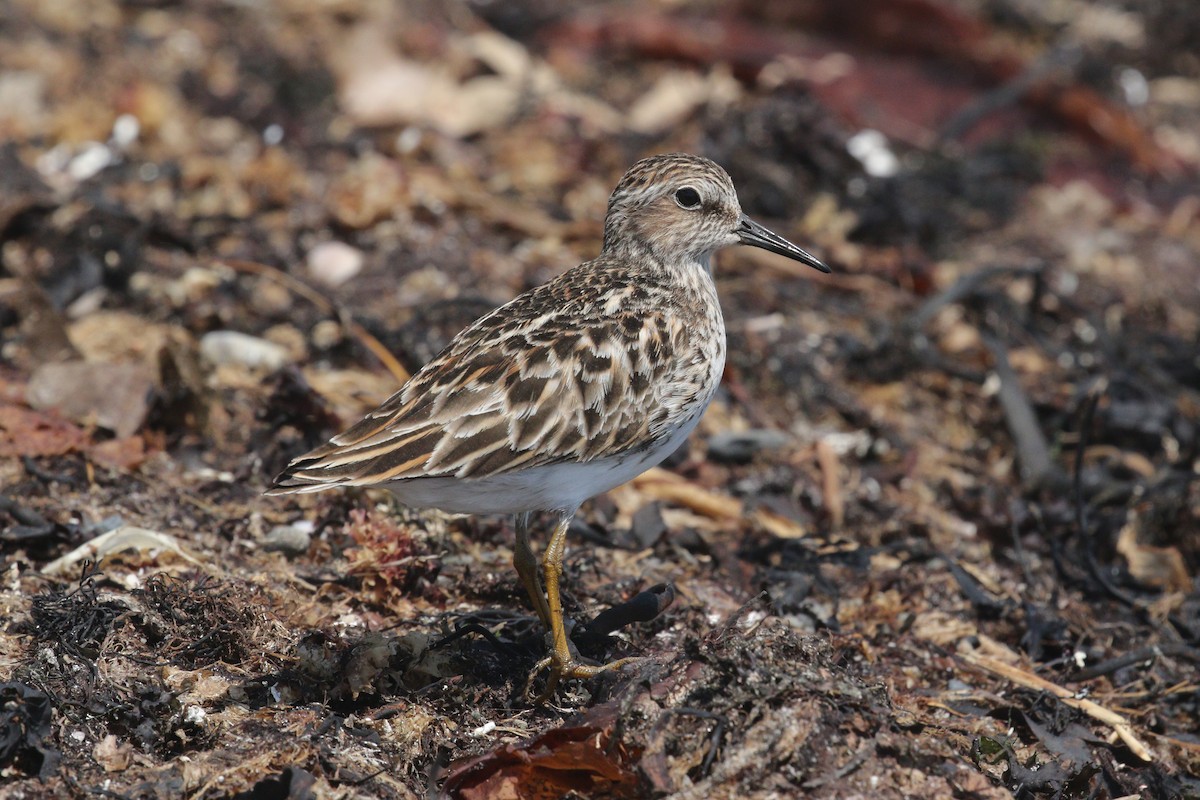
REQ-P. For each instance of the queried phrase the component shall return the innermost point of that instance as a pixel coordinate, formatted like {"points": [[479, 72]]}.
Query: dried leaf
{"points": [[127, 537], [1161, 567], [111, 755], [574, 758], [33, 433], [114, 396], [125, 454]]}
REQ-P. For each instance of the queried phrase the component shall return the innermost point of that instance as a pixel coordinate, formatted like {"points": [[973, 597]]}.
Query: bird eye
{"points": [[687, 197]]}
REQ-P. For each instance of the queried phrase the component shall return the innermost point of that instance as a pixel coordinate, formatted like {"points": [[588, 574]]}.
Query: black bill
{"points": [[755, 235]]}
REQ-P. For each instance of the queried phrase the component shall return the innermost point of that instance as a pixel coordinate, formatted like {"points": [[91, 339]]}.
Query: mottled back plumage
{"points": [[587, 366]]}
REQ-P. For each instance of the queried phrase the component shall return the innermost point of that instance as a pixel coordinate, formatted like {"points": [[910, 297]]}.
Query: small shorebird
{"points": [[569, 390]]}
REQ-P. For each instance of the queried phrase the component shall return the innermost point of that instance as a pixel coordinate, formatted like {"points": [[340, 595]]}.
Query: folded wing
{"points": [[515, 390]]}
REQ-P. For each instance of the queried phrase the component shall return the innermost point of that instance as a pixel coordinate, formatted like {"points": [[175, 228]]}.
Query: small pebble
{"points": [[125, 130], [92, 158], [334, 263], [326, 334], [648, 525], [287, 539], [231, 347]]}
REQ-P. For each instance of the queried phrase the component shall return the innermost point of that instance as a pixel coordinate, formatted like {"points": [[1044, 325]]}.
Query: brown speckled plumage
{"points": [[599, 361], [570, 389]]}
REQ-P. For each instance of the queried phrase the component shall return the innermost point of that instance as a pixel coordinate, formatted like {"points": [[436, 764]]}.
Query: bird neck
{"points": [[692, 277], [630, 246], [692, 269]]}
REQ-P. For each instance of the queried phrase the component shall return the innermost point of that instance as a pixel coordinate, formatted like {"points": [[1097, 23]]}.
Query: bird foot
{"points": [[560, 669]]}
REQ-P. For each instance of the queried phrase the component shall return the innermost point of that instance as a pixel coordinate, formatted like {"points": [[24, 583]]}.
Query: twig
{"points": [[1037, 468], [831, 486], [45, 476], [1081, 521], [984, 603], [23, 515], [1110, 666], [660, 484], [1010, 93], [328, 306], [1118, 723]]}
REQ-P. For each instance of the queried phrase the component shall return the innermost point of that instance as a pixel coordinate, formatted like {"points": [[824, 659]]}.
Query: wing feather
{"points": [[555, 375]]}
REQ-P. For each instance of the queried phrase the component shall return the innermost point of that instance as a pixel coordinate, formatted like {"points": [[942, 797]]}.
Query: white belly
{"points": [[553, 487]]}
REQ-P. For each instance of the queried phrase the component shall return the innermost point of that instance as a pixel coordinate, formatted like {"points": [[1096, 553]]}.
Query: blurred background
{"points": [[229, 228]]}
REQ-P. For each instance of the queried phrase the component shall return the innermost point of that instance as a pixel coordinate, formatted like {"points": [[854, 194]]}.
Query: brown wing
{"points": [[564, 372]]}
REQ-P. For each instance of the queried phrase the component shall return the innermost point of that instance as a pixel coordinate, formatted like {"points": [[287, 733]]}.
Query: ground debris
{"points": [[76, 621], [577, 757], [195, 622], [26, 720], [937, 535], [114, 396]]}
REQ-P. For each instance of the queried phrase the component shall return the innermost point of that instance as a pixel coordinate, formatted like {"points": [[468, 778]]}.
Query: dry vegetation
{"points": [[938, 535]]}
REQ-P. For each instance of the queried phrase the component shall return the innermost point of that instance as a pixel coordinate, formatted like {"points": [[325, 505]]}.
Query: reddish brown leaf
{"points": [[577, 757], [24, 432], [124, 453]]}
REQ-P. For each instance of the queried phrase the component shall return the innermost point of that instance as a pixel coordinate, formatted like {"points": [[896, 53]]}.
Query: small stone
{"points": [[326, 334], [290, 540], [272, 299], [334, 263], [648, 525], [90, 160], [221, 348]]}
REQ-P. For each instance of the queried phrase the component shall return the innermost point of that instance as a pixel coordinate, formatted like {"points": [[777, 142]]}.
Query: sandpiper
{"points": [[569, 390]]}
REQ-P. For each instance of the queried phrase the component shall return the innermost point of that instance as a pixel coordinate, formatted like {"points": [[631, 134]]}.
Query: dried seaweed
{"points": [[936, 536]]}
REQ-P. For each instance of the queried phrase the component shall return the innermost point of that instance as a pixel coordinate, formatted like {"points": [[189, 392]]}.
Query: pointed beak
{"points": [[755, 235]]}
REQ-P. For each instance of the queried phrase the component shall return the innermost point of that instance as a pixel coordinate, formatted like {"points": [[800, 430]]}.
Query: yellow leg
{"points": [[527, 569], [560, 661]]}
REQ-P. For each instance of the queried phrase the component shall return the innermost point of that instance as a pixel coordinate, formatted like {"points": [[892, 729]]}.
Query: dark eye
{"points": [[688, 197]]}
